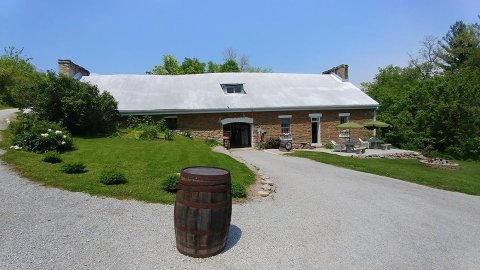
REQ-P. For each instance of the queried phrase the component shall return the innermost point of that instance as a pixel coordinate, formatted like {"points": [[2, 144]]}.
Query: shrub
{"points": [[169, 135], [170, 182], [329, 145], [272, 143], [187, 133], [73, 168], [79, 106], [262, 145], [211, 142], [52, 157], [133, 121], [112, 177], [149, 132], [162, 125], [33, 134], [238, 190]]}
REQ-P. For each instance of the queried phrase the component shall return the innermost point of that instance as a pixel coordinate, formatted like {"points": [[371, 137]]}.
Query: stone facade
{"points": [[68, 68], [209, 125]]}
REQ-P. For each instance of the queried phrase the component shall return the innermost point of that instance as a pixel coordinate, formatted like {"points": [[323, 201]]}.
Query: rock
{"points": [[263, 193], [266, 187], [267, 181]]}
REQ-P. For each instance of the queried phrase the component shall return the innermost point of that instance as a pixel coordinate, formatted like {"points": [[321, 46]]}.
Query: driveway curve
{"points": [[322, 217]]}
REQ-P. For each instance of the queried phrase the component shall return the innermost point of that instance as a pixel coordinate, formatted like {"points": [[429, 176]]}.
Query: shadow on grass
{"points": [[234, 235]]}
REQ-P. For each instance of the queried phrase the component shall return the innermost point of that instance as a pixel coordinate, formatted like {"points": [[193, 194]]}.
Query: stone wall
{"points": [[209, 125]]}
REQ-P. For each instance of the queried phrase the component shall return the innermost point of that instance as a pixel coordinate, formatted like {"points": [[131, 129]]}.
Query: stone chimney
{"points": [[341, 71], [70, 69]]}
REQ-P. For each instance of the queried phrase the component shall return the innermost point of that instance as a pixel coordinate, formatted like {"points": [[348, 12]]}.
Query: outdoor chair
{"points": [[363, 143], [336, 146]]}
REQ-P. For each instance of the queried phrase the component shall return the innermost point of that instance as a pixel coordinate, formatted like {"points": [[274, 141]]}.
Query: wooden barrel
{"points": [[203, 209]]}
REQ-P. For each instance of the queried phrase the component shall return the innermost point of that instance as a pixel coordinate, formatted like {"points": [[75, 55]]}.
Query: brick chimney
{"points": [[341, 71], [70, 69]]}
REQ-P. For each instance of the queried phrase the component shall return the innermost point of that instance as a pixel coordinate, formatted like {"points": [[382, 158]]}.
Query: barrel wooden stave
{"points": [[202, 218]]}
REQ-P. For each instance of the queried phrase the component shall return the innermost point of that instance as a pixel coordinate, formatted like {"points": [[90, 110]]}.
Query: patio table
{"points": [[375, 143], [348, 146]]}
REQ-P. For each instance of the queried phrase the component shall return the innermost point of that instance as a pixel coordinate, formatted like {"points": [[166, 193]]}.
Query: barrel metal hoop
{"points": [[201, 232], [213, 189], [191, 204]]}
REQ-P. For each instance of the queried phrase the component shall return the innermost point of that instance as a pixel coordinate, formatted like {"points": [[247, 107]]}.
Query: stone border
{"points": [[447, 166]]}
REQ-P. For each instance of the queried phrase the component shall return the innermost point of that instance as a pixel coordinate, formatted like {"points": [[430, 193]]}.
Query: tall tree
{"points": [[229, 66], [193, 66], [16, 71], [212, 67], [458, 45], [170, 66], [426, 60]]}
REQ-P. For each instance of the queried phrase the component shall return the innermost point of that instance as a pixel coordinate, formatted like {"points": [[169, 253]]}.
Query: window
{"points": [[171, 122], [285, 121], [343, 117], [233, 89]]}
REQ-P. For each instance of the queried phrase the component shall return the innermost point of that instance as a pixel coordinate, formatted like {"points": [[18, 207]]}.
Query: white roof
{"points": [[164, 94]]}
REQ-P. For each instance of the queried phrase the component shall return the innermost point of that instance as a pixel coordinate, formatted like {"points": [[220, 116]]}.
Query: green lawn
{"points": [[466, 179], [144, 163]]}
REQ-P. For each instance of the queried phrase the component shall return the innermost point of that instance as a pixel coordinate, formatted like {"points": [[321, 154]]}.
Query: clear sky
{"points": [[113, 37]]}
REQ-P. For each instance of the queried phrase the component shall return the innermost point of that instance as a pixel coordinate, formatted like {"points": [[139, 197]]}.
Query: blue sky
{"points": [[111, 37]]}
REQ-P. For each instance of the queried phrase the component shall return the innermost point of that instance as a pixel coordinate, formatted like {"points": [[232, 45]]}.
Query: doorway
{"points": [[315, 122], [240, 134]]}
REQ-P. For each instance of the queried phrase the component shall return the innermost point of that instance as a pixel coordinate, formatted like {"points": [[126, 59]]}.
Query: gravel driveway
{"points": [[321, 217]]}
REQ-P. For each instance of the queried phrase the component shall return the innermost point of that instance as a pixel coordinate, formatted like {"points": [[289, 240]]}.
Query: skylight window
{"points": [[233, 89]]}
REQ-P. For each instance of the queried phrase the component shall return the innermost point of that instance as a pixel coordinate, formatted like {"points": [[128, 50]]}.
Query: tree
{"points": [[16, 71], [79, 106], [229, 66], [458, 45], [170, 66], [212, 67], [193, 66], [229, 54], [426, 60]]}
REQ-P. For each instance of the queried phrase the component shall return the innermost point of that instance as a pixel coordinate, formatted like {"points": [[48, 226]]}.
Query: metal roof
{"points": [[163, 94]]}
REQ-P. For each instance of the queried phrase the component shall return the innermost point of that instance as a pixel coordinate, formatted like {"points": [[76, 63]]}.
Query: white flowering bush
{"points": [[39, 136]]}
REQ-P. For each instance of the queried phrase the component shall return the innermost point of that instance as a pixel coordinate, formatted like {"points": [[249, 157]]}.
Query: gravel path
{"points": [[321, 217]]}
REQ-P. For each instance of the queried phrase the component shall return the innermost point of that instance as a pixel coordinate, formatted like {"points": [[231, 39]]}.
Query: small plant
{"points": [[261, 145], [73, 168], [170, 182], [112, 177], [169, 135], [187, 133], [52, 157], [329, 145], [238, 191], [149, 132], [272, 143], [211, 142]]}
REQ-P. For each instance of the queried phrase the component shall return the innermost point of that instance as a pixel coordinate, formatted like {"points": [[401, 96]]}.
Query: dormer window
{"points": [[233, 89]]}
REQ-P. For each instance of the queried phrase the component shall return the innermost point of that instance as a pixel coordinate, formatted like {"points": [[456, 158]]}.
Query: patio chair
{"points": [[336, 146], [363, 143]]}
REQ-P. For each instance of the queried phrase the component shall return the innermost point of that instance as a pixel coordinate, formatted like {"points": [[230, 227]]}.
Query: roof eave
{"points": [[235, 110]]}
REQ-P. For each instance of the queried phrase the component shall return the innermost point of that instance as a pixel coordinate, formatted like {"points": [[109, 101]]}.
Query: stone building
{"points": [[305, 108]]}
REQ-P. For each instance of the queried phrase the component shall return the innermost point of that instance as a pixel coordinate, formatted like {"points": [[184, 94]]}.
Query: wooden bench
{"points": [[360, 150], [386, 146]]}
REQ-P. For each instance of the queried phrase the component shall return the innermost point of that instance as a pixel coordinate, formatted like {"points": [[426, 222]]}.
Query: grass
{"points": [[466, 179], [4, 106], [144, 164]]}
